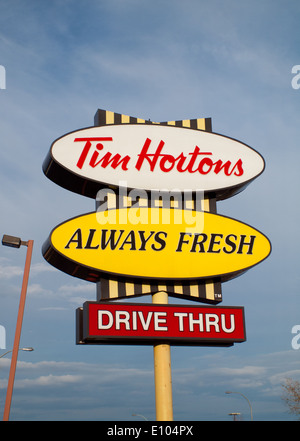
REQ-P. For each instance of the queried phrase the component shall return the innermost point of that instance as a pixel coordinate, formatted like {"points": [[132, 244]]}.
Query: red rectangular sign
{"points": [[133, 323]]}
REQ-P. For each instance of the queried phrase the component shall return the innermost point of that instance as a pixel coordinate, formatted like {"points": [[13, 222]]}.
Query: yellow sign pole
{"points": [[162, 372]]}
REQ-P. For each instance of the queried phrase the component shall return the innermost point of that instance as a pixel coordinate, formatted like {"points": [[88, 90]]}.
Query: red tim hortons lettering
{"points": [[104, 161], [144, 155], [189, 163], [193, 162]]}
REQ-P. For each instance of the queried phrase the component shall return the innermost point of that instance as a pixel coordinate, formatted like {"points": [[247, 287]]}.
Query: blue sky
{"points": [[163, 60]]}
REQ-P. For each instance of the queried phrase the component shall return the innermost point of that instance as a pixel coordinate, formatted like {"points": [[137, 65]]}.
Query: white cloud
{"points": [[53, 308], [10, 271], [282, 376], [245, 370], [48, 380], [37, 289], [83, 287], [131, 386], [41, 267]]}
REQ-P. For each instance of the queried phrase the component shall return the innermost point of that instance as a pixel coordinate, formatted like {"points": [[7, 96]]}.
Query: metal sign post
{"points": [[162, 372]]}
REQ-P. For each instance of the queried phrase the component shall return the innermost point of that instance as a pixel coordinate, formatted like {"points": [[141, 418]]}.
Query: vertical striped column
{"points": [[206, 291]]}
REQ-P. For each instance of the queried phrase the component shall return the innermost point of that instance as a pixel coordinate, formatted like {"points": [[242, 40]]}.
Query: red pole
{"points": [[18, 332]]}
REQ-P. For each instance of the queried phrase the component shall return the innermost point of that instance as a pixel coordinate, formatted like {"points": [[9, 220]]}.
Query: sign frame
{"points": [[87, 272], [82, 184], [83, 337]]}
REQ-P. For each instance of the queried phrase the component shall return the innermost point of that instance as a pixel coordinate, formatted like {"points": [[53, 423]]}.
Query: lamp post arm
{"points": [[5, 353], [249, 406], [240, 393]]}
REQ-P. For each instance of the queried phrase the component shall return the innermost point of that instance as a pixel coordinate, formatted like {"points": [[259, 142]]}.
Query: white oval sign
{"points": [[151, 157]]}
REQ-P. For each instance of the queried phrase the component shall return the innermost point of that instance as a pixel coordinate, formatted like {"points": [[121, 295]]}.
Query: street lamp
{"points": [[244, 396], [16, 242], [12, 241], [21, 349]]}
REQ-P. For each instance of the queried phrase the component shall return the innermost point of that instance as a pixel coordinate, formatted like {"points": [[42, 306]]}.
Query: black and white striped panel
{"points": [[206, 291]]}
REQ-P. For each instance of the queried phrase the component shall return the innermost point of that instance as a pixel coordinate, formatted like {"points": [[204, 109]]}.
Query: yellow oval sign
{"points": [[155, 244]]}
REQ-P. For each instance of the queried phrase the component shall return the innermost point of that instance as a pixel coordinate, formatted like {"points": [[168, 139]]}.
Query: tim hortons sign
{"points": [[155, 244], [151, 157], [132, 323], [188, 256]]}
